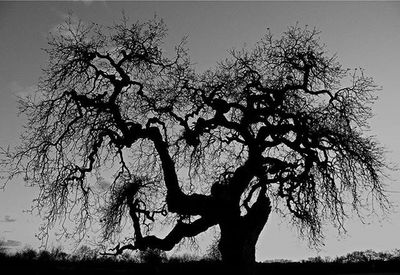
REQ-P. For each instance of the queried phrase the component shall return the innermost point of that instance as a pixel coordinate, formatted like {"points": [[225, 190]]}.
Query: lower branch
{"points": [[119, 250], [180, 231]]}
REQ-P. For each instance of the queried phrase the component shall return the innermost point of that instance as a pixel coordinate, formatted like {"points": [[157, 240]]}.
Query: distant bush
{"points": [[86, 260], [3, 249], [185, 258], [27, 254], [396, 255], [58, 254], [44, 256], [85, 253], [127, 257], [368, 256], [317, 259], [152, 256]]}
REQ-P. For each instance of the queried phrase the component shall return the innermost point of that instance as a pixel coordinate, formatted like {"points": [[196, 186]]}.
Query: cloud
{"points": [[7, 218], [90, 2], [11, 243], [86, 2]]}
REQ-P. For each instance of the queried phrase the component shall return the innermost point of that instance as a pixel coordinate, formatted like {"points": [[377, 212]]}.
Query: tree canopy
{"points": [[280, 127]]}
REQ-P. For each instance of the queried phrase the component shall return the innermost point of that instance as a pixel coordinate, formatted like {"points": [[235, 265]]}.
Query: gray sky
{"points": [[363, 34]]}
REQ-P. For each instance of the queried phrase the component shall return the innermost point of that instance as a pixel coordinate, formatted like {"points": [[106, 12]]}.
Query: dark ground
{"points": [[33, 267]]}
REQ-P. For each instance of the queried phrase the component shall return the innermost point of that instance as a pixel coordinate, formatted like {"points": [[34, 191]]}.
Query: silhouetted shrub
{"points": [[394, 255], [152, 256], [152, 262], [85, 253], [127, 257], [58, 254], [3, 249], [27, 254], [362, 257], [317, 259], [185, 258], [44, 256]]}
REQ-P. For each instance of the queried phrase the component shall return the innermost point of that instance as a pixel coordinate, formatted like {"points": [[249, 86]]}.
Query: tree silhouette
{"points": [[279, 127]]}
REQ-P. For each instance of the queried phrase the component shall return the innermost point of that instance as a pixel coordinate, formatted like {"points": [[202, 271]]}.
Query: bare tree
{"points": [[279, 127]]}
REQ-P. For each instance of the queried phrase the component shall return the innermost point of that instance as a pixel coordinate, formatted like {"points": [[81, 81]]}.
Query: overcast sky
{"points": [[363, 34]]}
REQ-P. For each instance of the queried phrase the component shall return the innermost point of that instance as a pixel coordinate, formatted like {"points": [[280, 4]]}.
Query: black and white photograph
{"points": [[200, 137]]}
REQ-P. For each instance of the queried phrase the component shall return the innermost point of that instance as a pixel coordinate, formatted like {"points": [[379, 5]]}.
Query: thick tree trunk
{"points": [[236, 246], [239, 236]]}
